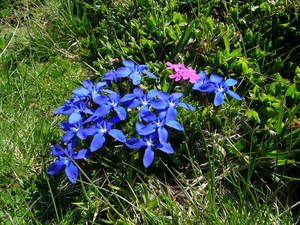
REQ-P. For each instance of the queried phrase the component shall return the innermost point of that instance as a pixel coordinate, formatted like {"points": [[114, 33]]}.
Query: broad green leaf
{"points": [[253, 115]]}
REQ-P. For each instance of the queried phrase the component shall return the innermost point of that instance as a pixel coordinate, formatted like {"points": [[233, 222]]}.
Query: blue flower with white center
{"points": [[112, 103], [157, 124], [221, 87], [64, 161], [138, 98], [100, 129], [91, 90], [149, 141], [172, 101], [74, 128], [203, 84], [134, 71]]}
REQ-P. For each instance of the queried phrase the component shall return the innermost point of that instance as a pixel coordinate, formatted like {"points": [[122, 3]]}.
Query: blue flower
{"points": [[138, 98], [203, 84], [91, 90], [134, 71], [157, 124], [172, 101], [74, 128], [113, 102], [111, 75], [149, 141], [221, 87], [64, 161], [100, 130]]}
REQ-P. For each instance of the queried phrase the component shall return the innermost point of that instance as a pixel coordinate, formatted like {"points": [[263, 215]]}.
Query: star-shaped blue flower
{"points": [[134, 71], [64, 161], [221, 87]]}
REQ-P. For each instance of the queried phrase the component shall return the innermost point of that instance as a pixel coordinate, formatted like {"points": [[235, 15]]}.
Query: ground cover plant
{"points": [[149, 112]]}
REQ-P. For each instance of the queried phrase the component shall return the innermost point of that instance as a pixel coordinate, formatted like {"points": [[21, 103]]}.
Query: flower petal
{"points": [[97, 142], [215, 79], [81, 133], [219, 98], [162, 135], [100, 100], [230, 82], [149, 74], [135, 143], [186, 106], [102, 110], [74, 117], [67, 136], [72, 172], [128, 63], [159, 104], [234, 95], [128, 97], [174, 124], [57, 150], [138, 92], [56, 167], [123, 72], [81, 92], [121, 112], [136, 78], [166, 148], [82, 154], [148, 157], [87, 84], [117, 134]]}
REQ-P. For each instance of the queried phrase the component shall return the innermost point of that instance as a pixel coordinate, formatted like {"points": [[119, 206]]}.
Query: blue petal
{"points": [[71, 143], [149, 74], [186, 106], [89, 111], [135, 143], [123, 72], [219, 98], [148, 157], [234, 95], [145, 129], [65, 126], [100, 84], [230, 82], [152, 93], [215, 79], [87, 84], [171, 114], [117, 134], [56, 150], [202, 75], [128, 97], [159, 104], [74, 117], [81, 92], [56, 167], [82, 154], [177, 95], [207, 88], [121, 112], [132, 104], [128, 63], [148, 116], [114, 120], [174, 124], [72, 172], [166, 148], [67, 136], [163, 95], [81, 133], [138, 92], [90, 130], [136, 78], [100, 100], [97, 142], [163, 135], [102, 110]]}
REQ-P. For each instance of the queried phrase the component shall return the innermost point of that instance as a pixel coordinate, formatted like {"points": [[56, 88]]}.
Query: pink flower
{"points": [[176, 67], [176, 75], [190, 74]]}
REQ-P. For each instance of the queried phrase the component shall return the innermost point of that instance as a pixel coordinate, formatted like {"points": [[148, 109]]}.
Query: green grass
{"points": [[236, 164]]}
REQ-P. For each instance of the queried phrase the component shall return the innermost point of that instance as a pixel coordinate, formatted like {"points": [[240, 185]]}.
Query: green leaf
{"points": [[253, 115], [291, 90], [250, 18]]}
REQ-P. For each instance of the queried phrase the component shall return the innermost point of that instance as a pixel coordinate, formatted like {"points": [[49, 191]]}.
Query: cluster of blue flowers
{"points": [[94, 110]]}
